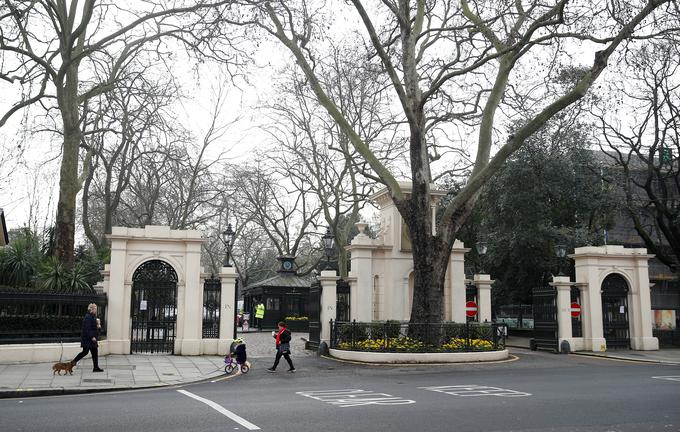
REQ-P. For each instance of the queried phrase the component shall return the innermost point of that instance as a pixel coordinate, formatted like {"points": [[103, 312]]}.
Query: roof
{"points": [[4, 237], [283, 280]]}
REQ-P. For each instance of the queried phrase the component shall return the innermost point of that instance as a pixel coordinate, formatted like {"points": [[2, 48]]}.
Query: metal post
{"points": [[354, 327], [387, 344], [233, 319], [467, 336]]}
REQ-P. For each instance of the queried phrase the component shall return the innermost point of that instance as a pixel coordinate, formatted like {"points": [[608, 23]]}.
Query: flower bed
{"points": [[398, 337]]}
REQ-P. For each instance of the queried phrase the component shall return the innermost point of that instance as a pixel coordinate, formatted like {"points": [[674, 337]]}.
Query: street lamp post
{"points": [[560, 252], [481, 247], [328, 242], [228, 237]]}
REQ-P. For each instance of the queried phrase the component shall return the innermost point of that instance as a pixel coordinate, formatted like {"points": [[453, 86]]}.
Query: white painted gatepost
{"points": [[600, 271], [178, 253]]}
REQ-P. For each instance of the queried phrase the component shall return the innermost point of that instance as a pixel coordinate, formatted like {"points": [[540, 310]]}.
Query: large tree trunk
{"points": [[69, 183], [68, 190]]}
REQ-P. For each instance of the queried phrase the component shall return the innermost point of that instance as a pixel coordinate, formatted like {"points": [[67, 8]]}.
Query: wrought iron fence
{"points": [[396, 336], [667, 338], [40, 317]]}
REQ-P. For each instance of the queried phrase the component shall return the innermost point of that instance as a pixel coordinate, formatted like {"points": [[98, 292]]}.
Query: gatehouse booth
{"points": [[615, 302], [159, 301]]}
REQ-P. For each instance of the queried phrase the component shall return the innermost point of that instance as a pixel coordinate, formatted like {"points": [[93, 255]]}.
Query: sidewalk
{"points": [[126, 372], [669, 356]]}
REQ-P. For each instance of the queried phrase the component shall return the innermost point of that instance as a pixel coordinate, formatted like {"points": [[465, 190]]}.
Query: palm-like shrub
{"points": [[19, 261], [54, 277]]}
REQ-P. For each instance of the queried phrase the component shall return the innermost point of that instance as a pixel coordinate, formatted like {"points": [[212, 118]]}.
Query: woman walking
{"points": [[282, 347], [88, 337]]}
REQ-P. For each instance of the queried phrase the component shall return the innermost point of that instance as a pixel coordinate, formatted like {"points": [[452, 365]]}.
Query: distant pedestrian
{"points": [[259, 315], [282, 347], [88, 337]]}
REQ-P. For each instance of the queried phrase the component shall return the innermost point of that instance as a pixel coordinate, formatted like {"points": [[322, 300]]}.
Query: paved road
{"points": [[537, 392]]}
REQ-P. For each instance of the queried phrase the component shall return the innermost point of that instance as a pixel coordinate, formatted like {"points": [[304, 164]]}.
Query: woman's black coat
{"points": [[89, 331]]}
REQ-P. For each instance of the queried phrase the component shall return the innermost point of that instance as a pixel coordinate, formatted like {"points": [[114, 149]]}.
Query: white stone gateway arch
{"points": [[613, 283], [170, 258]]}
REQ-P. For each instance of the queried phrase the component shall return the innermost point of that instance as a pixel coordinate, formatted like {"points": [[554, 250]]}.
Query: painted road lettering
{"points": [[475, 390], [345, 398]]}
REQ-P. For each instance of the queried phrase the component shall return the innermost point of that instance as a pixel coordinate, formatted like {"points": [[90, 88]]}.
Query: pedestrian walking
{"points": [[88, 337], [282, 347]]}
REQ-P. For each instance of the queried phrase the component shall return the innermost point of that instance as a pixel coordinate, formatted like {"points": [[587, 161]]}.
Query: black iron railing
{"points": [[396, 336], [41, 318], [667, 338]]}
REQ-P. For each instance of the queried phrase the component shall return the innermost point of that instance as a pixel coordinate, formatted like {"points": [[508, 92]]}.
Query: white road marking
{"points": [[475, 390], [354, 397], [219, 408], [668, 377]]}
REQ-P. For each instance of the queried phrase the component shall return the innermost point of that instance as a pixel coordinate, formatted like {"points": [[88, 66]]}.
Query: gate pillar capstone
{"points": [[483, 283], [328, 280]]}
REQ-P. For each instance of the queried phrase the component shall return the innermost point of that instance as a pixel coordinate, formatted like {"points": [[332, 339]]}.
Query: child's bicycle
{"points": [[231, 365]]}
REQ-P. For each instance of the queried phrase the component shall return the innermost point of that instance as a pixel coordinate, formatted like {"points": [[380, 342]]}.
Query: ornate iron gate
{"points": [[212, 290], [342, 311], [615, 312], [545, 319], [314, 315], [154, 308]]}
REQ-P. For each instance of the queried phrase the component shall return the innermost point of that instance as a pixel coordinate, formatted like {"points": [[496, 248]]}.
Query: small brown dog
{"points": [[66, 367]]}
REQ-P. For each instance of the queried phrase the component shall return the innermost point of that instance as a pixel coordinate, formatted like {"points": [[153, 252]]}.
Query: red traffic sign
{"points": [[470, 309], [575, 309]]}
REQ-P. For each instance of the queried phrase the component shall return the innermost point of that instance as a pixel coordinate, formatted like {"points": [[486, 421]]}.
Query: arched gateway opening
{"points": [[615, 311], [154, 308]]}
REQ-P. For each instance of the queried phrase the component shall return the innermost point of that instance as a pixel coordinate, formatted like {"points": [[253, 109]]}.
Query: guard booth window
{"points": [[273, 303]]}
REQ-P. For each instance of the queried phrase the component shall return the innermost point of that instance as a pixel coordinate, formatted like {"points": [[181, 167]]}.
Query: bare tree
{"points": [[644, 149], [281, 207], [49, 49], [119, 128], [454, 65], [317, 153]]}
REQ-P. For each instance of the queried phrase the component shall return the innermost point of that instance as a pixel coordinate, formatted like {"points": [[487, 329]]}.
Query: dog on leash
{"points": [[66, 367]]}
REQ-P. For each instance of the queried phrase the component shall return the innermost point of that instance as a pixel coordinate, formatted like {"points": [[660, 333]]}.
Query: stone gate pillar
{"points": [[227, 309], [455, 295], [329, 297], [361, 276], [563, 286], [483, 283]]}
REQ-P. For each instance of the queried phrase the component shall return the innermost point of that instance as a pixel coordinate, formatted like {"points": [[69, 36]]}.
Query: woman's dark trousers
{"points": [[95, 357], [286, 356]]}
